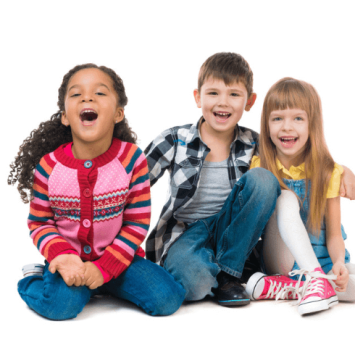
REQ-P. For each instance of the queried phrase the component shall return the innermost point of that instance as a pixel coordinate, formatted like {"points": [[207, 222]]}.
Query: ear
{"points": [[64, 119], [197, 98], [119, 116], [250, 102]]}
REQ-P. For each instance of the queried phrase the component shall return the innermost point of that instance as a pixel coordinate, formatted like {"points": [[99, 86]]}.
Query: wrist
{"points": [[107, 277]]}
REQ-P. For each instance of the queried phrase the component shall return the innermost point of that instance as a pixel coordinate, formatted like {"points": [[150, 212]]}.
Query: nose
{"points": [[287, 125], [87, 97], [223, 100]]}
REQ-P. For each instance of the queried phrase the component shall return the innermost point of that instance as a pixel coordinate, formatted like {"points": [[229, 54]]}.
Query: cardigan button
{"points": [[86, 223], [87, 249], [87, 192], [88, 164]]}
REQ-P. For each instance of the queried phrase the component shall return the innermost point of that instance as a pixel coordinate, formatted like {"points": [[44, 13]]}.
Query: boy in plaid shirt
{"points": [[217, 209]]}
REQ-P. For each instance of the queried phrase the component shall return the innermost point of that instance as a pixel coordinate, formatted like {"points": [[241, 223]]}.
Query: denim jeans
{"points": [[144, 283], [224, 240]]}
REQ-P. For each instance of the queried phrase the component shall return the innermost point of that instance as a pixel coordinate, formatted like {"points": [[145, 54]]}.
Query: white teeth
{"points": [[222, 114], [88, 111], [288, 139]]}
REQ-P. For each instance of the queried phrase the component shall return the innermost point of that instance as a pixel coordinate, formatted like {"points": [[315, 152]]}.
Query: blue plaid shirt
{"points": [[181, 151]]}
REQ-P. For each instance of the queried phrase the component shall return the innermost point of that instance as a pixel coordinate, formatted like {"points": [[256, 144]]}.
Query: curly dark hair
{"points": [[52, 133]]}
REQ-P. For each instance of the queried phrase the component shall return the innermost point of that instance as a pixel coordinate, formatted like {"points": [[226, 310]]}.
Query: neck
{"points": [[89, 150], [209, 135], [288, 162]]}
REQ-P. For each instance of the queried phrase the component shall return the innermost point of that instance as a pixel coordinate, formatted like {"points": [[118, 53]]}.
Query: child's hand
{"points": [[342, 273], [92, 277], [347, 184], [70, 266]]}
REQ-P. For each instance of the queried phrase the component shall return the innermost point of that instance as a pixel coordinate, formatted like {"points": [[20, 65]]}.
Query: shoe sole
{"points": [[32, 269], [253, 288], [318, 306], [234, 303]]}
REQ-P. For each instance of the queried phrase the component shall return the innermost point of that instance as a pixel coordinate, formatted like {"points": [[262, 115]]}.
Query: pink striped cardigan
{"points": [[98, 209]]}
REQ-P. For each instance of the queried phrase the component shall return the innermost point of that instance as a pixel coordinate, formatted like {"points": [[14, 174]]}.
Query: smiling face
{"points": [[91, 107], [289, 132], [222, 106]]}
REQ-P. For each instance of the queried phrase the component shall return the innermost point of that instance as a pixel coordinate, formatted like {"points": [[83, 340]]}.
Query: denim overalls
{"points": [[318, 242]]}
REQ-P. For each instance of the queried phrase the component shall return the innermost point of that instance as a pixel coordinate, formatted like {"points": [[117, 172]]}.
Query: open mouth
{"points": [[289, 141], [88, 117], [222, 116]]}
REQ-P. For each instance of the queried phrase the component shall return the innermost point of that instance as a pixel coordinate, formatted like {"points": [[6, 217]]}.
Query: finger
{"points": [[83, 281], [88, 282], [52, 268], [77, 280], [94, 285], [342, 189], [69, 280]]}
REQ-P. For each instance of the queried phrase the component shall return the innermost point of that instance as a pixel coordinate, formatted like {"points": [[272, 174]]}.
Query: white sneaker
{"points": [[32, 269]]}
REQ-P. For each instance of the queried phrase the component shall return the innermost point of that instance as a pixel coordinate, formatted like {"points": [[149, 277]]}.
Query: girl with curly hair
{"points": [[89, 197]]}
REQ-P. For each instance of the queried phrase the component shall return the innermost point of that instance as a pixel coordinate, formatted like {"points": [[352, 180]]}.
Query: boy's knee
{"points": [[263, 181]]}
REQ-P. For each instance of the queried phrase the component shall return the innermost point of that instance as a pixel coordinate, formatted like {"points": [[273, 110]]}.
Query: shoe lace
{"points": [[280, 290], [314, 283]]}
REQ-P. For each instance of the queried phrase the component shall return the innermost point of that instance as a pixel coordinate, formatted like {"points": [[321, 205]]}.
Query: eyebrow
{"points": [[279, 113], [100, 84], [232, 89]]}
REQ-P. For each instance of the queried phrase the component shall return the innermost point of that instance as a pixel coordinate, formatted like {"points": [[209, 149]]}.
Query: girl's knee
{"points": [[53, 301], [287, 199], [167, 301], [287, 206]]}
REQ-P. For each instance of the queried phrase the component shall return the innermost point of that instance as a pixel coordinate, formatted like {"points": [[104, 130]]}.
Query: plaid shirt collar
{"points": [[239, 135]]}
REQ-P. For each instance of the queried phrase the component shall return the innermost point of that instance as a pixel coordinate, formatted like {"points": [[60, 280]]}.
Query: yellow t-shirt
{"points": [[298, 173]]}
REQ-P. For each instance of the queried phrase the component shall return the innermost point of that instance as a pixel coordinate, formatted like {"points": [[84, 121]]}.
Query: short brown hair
{"points": [[229, 67]]}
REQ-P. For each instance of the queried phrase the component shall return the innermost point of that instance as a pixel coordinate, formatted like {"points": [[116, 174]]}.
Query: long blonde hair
{"points": [[319, 165]]}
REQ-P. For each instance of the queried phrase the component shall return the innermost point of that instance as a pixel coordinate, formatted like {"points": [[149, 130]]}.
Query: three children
{"points": [[214, 217]]}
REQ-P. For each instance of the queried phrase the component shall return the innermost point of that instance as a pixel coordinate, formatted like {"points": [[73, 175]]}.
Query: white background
{"points": [[157, 47]]}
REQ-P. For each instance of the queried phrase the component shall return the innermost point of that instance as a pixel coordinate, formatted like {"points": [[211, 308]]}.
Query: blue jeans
{"points": [[224, 240], [144, 283]]}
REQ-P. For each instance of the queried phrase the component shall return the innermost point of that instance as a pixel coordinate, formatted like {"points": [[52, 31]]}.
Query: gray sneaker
{"points": [[32, 269]]}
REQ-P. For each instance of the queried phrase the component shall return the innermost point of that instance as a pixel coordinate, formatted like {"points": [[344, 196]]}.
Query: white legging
{"points": [[286, 241]]}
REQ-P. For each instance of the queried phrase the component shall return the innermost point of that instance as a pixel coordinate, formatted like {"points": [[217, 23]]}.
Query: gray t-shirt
{"points": [[212, 191]]}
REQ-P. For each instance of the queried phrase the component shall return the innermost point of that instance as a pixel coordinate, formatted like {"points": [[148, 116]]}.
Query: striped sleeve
{"points": [[136, 216], [43, 230]]}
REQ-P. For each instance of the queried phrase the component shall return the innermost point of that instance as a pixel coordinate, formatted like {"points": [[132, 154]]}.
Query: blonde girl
{"points": [[304, 237]]}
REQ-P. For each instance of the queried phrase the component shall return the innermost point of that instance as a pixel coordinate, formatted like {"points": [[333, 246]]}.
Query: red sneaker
{"points": [[318, 294], [263, 287]]}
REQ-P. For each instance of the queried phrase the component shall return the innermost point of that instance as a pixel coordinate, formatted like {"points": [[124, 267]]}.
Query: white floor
{"points": [[108, 325]]}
